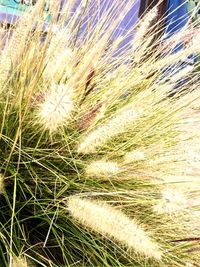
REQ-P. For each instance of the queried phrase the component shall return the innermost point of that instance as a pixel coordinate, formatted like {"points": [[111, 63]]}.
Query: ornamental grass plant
{"points": [[99, 164]]}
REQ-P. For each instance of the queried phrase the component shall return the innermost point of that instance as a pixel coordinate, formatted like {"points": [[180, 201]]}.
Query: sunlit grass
{"points": [[86, 120]]}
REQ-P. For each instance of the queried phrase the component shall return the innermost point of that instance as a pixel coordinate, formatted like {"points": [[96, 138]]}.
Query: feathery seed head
{"points": [[110, 222], [173, 200], [17, 41], [56, 110], [135, 155], [102, 168], [61, 64], [92, 116], [113, 127], [182, 74], [1, 183], [143, 28], [19, 262]]}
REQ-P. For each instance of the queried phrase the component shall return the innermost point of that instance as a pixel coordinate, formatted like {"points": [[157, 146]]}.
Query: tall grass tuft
{"points": [[99, 141]]}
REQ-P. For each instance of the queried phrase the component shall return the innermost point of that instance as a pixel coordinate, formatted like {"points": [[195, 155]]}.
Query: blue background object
{"points": [[128, 22], [11, 10], [177, 16]]}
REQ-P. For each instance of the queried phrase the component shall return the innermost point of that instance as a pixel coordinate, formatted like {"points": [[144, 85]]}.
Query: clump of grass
{"points": [[94, 154]]}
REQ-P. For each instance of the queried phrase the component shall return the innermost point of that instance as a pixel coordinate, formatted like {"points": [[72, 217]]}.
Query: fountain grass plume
{"points": [[19, 262], [113, 223], [16, 46], [56, 110], [115, 126], [1, 184], [87, 128], [102, 168]]}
